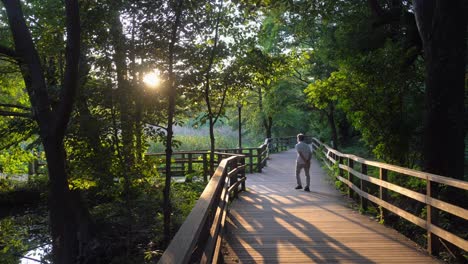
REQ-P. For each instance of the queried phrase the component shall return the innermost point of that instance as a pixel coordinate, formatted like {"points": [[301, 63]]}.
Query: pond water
{"points": [[36, 255]]}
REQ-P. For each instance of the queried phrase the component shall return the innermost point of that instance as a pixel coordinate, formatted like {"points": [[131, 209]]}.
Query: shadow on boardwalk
{"points": [[273, 223]]}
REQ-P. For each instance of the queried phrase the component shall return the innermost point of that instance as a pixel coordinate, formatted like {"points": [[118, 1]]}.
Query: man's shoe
{"points": [[307, 189], [298, 187]]}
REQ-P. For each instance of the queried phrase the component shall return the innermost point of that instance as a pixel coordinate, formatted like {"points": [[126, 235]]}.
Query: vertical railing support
{"points": [[259, 159], [251, 161], [205, 167], [350, 178], [363, 187], [190, 167], [340, 170], [383, 193], [183, 163], [242, 159], [433, 244]]}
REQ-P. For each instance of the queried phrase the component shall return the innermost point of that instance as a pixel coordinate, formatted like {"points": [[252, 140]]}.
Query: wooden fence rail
{"points": [[188, 162], [347, 163], [199, 238]]}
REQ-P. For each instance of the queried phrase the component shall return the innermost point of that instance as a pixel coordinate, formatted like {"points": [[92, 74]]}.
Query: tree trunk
{"points": [[211, 115], [170, 121], [125, 98], [442, 27], [212, 145], [332, 124], [63, 226], [268, 124], [52, 122]]}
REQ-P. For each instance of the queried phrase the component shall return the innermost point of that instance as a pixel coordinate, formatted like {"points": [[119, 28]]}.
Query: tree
{"points": [[52, 120], [178, 8], [442, 26]]}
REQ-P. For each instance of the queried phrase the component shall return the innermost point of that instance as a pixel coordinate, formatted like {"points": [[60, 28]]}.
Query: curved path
{"points": [[274, 223]]}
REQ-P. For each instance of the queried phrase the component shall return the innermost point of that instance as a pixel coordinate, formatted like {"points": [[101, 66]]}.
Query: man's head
{"points": [[300, 137]]}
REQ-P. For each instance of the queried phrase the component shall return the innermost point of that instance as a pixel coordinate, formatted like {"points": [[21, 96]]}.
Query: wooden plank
{"points": [[454, 239], [217, 252], [274, 223], [383, 193], [410, 172], [215, 226], [453, 209], [396, 188], [236, 185], [408, 216], [181, 246]]}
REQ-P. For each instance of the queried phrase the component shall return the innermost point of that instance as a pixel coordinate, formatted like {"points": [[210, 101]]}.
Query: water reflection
{"points": [[36, 255]]}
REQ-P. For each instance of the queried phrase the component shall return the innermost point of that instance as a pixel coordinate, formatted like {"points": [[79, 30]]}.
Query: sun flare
{"points": [[152, 79]]}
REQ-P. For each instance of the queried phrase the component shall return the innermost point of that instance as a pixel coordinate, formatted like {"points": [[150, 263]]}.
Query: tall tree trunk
{"points": [[125, 98], [442, 26], [63, 226], [137, 100], [52, 122], [170, 122], [332, 124], [211, 115], [268, 124], [126, 122]]}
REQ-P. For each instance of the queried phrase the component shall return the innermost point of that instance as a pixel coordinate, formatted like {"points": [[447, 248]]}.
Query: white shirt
{"points": [[305, 150]]}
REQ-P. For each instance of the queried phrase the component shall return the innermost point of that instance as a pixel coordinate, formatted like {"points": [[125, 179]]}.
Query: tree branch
{"points": [[16, 106], [31, 66], [299, 77], [71, 77], [222, 104], [158, 126], [8, 52], [16, 114]]}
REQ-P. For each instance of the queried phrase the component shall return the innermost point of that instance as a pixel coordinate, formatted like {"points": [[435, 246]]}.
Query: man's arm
{"points": [[302, 157]]}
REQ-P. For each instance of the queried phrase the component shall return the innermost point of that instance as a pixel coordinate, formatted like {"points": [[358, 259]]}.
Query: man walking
{"points": [[304, 154]]}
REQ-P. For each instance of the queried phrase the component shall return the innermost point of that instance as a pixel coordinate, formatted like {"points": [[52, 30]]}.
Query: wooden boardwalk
{"points": [[274, 223]]}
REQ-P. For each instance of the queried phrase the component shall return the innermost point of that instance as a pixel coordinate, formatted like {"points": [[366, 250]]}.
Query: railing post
{"points": [[350, 178], [233, 179], [363, 187], [205, 166], [340, 170], [183, 163], [251, 160], [242, 159], [433, 243], [383, 193], [259, 159], [428, 218], [190, 170]]}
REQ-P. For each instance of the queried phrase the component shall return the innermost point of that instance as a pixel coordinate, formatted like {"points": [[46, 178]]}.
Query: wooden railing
{"points": [[366, 182], [199, 238], [188, 162], [284, 143]]}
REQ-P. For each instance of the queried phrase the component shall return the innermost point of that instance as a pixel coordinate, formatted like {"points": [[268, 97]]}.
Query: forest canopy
{"points": [[79, 110]]}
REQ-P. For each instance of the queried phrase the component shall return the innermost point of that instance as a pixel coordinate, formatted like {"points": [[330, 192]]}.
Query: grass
{"points": [[199, 139]]}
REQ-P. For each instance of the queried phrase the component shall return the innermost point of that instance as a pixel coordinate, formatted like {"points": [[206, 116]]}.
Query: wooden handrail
{"points": [[199, 238], [256, 159], [333, 156]]}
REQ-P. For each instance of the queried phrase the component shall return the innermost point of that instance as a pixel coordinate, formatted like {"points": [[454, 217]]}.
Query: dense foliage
{"points": [[353, 73]]}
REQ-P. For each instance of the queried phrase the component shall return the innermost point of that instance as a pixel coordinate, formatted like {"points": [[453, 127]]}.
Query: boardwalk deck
{"points": [[274, 223]]}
